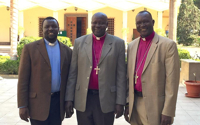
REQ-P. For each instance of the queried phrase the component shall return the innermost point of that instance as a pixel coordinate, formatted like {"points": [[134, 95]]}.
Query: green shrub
{"points": [[184, 54], [196, 41], [26, 40], [160, 31], [4, 58], [9, 66]]}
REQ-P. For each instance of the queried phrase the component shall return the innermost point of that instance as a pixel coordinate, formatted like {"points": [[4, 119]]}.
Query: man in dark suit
{"points": [[43, 74]]}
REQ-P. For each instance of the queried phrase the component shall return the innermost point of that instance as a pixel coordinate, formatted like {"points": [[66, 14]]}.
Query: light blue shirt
{"points": [[54, 58]]}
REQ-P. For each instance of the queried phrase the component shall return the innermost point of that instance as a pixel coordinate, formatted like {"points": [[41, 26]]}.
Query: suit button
{"points": [[87, 77], [86, 89], [90, 67]]}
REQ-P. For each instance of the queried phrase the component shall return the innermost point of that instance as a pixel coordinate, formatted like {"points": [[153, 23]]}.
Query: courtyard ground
{"points": [[187, 111]]}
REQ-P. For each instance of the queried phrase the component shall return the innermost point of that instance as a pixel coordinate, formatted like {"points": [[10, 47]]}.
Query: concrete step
{"points": [[4, 49]]}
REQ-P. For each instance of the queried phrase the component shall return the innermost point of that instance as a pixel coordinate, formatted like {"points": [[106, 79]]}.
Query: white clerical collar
{"points": [[144, 39], [99, 38], [50, 44]]}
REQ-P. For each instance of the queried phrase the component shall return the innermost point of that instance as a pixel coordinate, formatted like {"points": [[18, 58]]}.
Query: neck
{"points": [[100, 36], [52, 40]]}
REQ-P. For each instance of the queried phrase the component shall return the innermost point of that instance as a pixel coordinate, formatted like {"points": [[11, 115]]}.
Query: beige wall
{"points": [[165, 19], [31, 20], [4, 24], [32, 15], [118, 15]]}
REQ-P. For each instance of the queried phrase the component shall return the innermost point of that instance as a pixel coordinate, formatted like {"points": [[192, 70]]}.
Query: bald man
{"points": [[97, 78], [153, 75]]}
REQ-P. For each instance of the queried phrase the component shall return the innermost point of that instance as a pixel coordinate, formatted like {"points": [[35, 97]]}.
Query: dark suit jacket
{"points": [[34, 85]]}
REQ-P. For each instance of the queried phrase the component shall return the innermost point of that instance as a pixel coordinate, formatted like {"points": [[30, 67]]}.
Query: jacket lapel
{"points": [[62, 54], [106, 47], [88, 47], [151, 51], [43, 51], [132, 56]]}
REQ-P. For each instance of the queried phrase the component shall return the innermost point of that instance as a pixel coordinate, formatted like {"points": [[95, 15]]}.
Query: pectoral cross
{"points": [[97, 69], [136, 78]]}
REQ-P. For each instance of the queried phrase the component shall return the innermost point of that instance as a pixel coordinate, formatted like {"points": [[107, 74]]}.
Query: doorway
{"points": [[76, 26]]}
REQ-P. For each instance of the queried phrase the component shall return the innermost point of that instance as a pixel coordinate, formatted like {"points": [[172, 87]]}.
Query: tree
{"points": [[197, 3], [188, 22]]}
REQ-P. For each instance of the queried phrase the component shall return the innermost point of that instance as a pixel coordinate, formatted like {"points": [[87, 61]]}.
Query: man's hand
{"points": [[119, 109], [126, 114], [69, 109], [166, 120], [24, 114]]}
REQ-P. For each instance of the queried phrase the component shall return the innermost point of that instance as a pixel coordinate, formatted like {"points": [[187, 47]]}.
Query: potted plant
{"points": [[193, 88]]}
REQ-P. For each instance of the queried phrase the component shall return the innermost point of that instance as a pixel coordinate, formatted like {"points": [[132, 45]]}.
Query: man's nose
{"points": [[50, 28]]}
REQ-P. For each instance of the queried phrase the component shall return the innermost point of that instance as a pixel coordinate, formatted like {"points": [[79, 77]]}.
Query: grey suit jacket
{"points": [[112, 74]]}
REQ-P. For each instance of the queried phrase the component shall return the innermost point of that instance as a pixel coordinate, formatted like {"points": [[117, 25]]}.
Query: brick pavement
{"points": [[187, 112]]}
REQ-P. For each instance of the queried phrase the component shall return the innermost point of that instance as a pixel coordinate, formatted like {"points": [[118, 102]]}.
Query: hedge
{"points": [[184, 54], [26, 40], [8, 66]]}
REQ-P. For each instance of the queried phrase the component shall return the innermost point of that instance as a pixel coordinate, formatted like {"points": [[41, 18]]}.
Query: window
{"points": [[40, 27], [111, 24]]}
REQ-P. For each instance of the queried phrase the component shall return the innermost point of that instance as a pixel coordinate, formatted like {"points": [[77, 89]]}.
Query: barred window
{"points": [[40, 27], [111, 24]]}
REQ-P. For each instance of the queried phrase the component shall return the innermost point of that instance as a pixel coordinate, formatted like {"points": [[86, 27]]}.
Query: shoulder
{"points": [[33, 44], [83, 37], [134, 41], [165, 41], [115, 38]]}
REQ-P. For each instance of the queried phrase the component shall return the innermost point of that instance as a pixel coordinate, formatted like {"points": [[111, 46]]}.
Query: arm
{"points": [[24, 78], [121, 82], [121, 76], [172, 66], [23, 83], [71, 83], [126, 112]]}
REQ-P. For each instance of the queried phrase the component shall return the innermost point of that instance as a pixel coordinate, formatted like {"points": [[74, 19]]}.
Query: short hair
{"points": [[145, 11], [49, 18]]}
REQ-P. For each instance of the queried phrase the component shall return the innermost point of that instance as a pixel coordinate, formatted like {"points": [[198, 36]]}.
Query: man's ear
{"points": [[153, 21]]}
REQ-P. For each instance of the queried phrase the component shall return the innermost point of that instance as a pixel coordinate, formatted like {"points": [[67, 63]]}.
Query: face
{"points": [[50, 30], [99, 25], [144, 24]]}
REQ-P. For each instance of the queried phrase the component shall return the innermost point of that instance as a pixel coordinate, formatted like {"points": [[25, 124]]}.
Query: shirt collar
{"points": [[50, 44], [150, 37], [99, 38]]}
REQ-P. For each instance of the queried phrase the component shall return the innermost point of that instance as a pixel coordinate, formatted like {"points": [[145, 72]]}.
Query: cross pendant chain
{"points": [[97, 69], [136, 77]]}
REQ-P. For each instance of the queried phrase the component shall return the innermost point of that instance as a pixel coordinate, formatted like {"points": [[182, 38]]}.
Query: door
{"points": [[83, 26], [136, 34], [71, 28]]}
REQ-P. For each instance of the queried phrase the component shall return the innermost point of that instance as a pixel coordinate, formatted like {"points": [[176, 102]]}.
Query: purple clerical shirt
{"points": [[143, 49], [96, 55]]}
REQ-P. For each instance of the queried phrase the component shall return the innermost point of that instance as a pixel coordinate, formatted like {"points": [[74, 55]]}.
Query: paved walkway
{"points": [[187, 112]]}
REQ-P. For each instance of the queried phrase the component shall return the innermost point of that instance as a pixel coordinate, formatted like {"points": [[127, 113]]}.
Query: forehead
{"points": [[143, 16], [99, 18], [50, 22]]}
